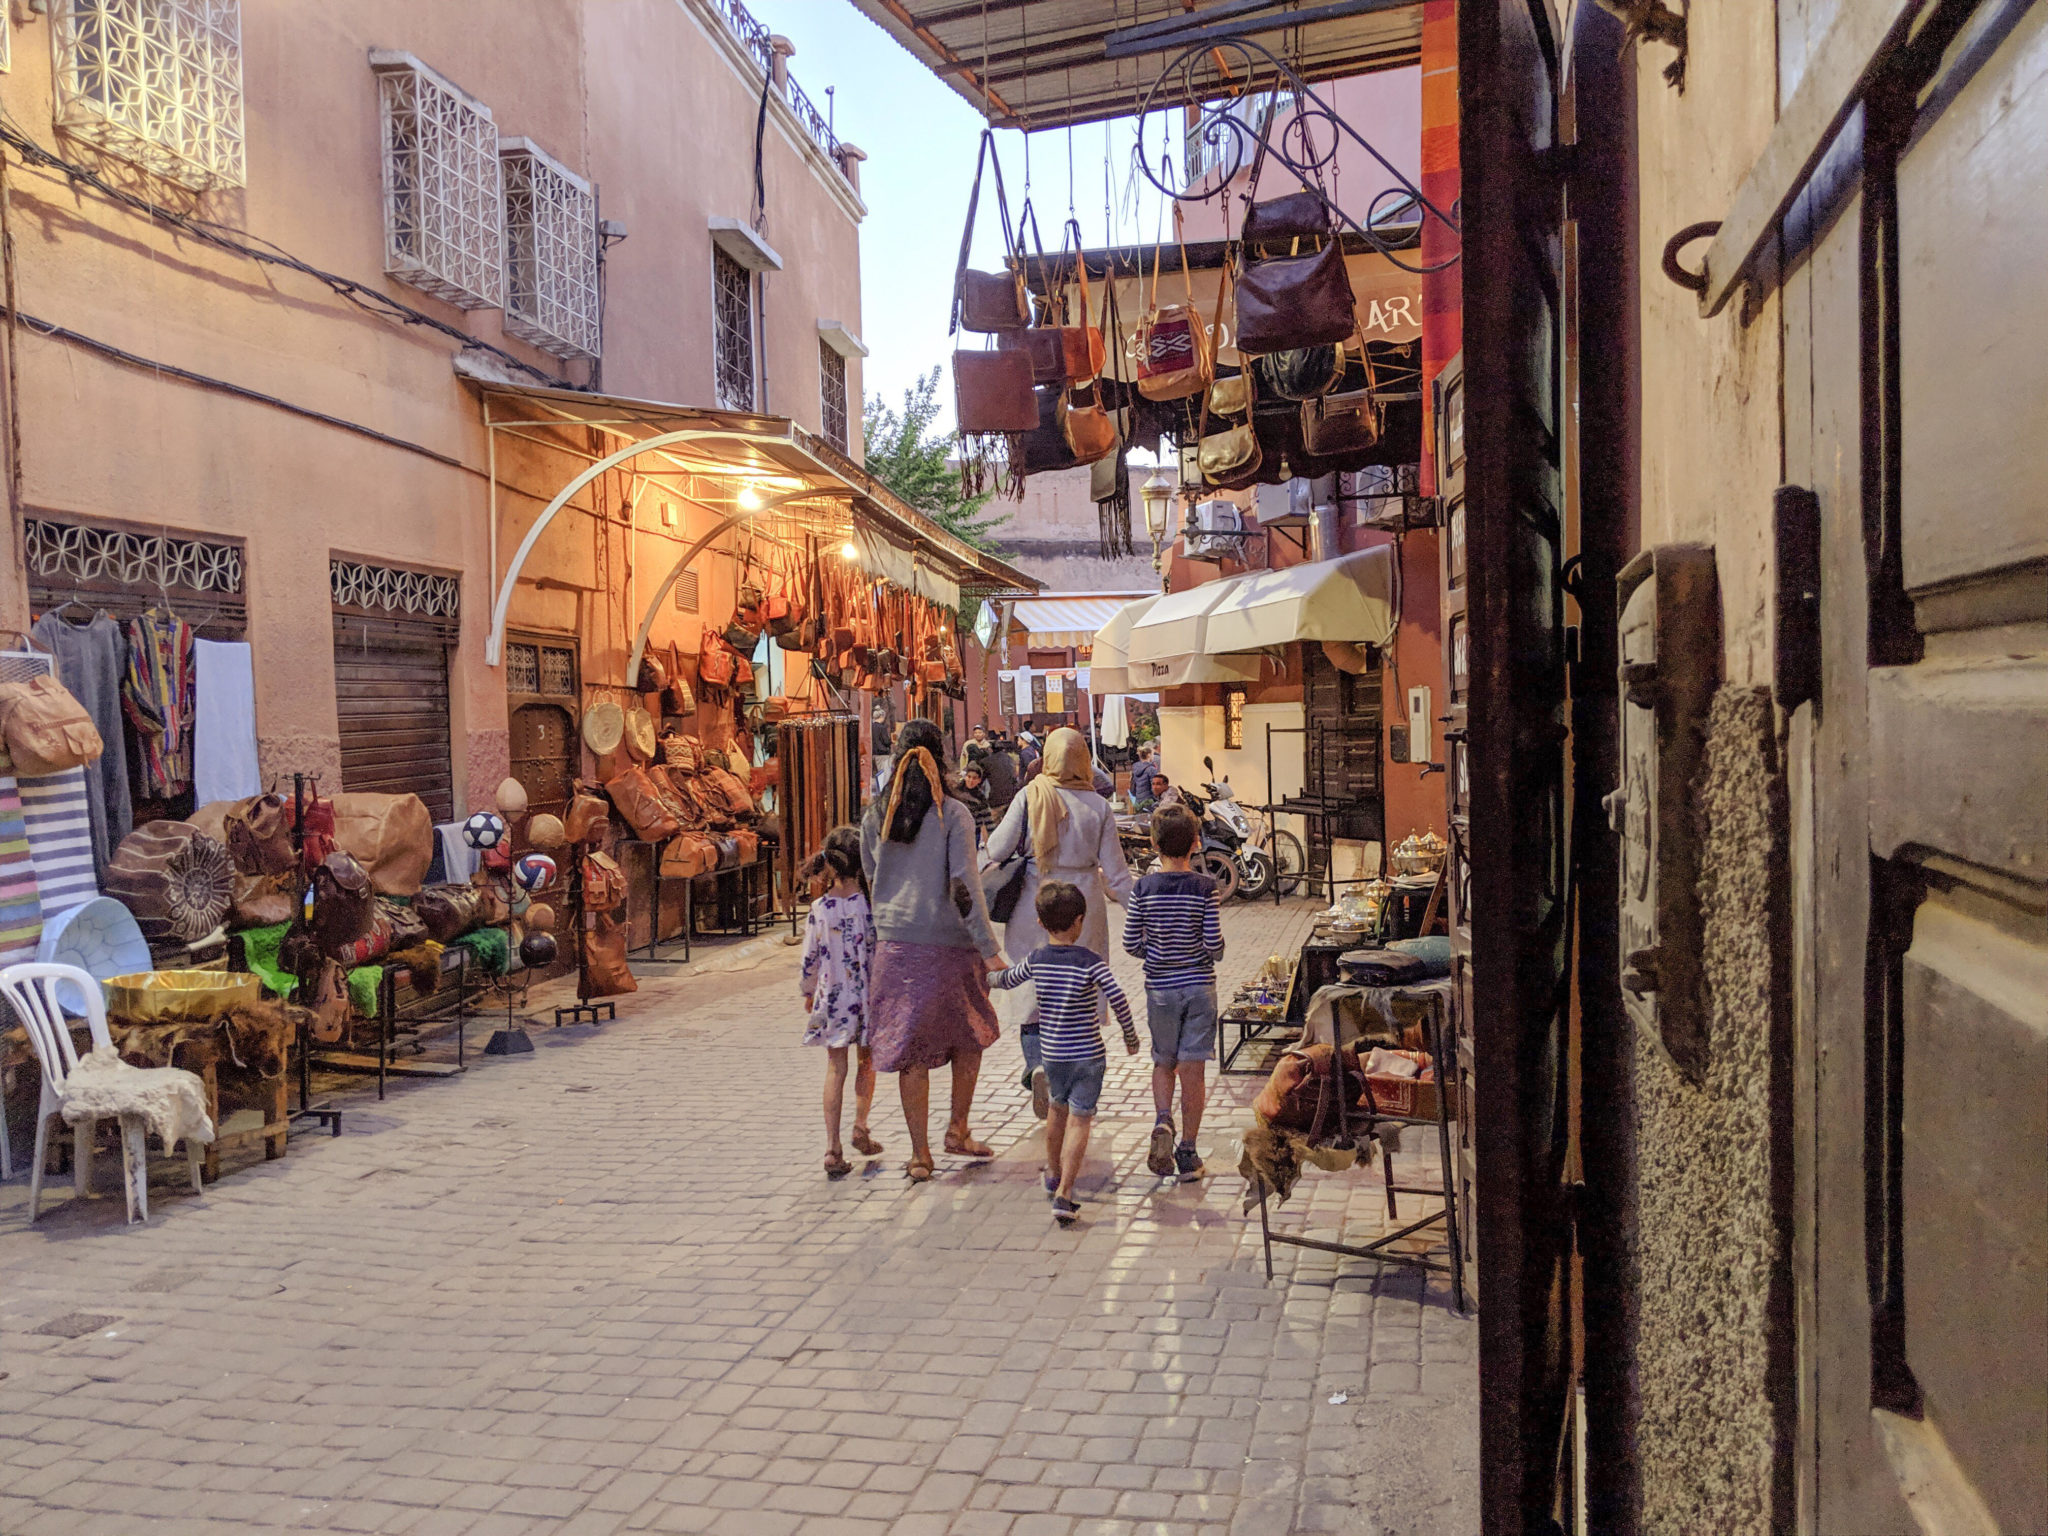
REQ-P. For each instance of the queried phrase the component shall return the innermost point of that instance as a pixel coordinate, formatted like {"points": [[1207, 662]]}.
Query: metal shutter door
{"points": [[391, 701]]}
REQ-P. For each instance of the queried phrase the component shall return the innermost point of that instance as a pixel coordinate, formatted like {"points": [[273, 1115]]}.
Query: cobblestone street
{"points": [[606, 1288]]}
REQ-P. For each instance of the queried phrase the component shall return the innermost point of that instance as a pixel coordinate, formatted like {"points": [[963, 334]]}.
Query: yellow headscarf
{"points": [[1067, 765], [917, 759]]}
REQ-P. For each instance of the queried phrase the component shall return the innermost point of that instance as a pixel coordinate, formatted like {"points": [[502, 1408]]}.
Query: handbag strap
{"points": [[985, 157]]}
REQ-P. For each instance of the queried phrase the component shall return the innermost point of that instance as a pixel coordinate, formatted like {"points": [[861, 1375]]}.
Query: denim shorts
{"points": [[1076, 1086], [1183, 1023]]}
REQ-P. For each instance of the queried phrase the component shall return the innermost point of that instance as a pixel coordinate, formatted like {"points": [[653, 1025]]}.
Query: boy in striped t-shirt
{"points": [[1073, 982], [1171, 923]]}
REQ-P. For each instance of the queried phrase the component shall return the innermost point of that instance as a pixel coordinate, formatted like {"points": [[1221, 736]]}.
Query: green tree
{"points": [[918, 464]]}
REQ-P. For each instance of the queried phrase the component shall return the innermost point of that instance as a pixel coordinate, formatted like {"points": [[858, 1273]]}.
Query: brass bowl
{"points": [[164, 997]]}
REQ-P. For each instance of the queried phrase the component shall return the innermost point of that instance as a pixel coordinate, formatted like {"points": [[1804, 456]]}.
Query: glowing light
{"points": [[848, 551], [749, 498]]}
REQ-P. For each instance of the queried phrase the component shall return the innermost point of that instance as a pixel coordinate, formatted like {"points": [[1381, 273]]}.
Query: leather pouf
{"points": [[177, 881]]}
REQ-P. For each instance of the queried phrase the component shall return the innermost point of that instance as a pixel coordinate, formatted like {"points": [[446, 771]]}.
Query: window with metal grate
{"points": [[550, 253], [157, 83], [444, 207], [732, 333], [832, 392]]}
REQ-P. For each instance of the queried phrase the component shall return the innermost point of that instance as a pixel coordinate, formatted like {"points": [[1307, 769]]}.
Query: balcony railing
{"points": [[754, 38]]}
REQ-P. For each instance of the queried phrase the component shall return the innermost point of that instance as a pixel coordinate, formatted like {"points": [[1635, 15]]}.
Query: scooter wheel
{"points": [[1221, 868], [1254, 875]]}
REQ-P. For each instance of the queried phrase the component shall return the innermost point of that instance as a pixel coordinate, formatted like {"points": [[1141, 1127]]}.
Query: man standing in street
{"points": [[1143, 771]]}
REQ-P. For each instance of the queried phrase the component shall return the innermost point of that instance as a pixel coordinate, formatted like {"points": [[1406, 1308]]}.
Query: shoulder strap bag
{"points": [[988, 301], [1175, 359]]}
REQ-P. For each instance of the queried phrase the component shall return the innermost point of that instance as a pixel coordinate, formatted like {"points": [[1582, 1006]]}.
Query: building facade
{"points": [[265, 269]]}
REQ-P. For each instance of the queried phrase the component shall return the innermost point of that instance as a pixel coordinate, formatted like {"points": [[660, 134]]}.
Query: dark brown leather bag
{"points": [[604, 972], [1044, 447], [1297, 216], [1289, 302], [992, 302], [586, 819], [1340, 423], [992, 392]]}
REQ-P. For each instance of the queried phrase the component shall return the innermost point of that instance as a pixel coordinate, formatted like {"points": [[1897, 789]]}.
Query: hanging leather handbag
{"points": [[604, 883], [586, 819], [1090, 431], [1307, 373], [633, 795], [47, 730], [1044, 447], [741, 635], [992, 392], [1045, 346], [1303, 215], [604, 972], [1288, 302], [681, 701], [1348, 423], [652, 676], [1230, 459], [988, 301], [1174, 355], [259, 836], [1232, 396], [715, 661]]}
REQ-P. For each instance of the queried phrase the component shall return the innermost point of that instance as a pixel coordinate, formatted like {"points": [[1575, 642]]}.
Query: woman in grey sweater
{"points": [[928, 1001]]}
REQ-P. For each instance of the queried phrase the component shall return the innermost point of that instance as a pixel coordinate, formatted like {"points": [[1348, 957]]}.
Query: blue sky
{"points": [[921, 140]]}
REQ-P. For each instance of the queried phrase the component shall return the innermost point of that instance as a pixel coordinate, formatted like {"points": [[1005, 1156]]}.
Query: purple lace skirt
{"points": [[926, 1004]]}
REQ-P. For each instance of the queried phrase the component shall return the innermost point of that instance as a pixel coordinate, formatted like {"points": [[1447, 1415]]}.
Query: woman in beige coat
{"points": [[1072, 837]]}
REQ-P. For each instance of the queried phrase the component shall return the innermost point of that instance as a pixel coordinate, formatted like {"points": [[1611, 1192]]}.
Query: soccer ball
{"points": [[486, 829], [534, 871]]}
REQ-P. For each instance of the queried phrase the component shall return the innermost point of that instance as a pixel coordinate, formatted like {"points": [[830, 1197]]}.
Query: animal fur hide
{"points": [[170, 1100]]}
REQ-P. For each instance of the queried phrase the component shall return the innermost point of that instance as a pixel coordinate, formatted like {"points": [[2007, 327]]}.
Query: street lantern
{"points": [[1158, 494]]}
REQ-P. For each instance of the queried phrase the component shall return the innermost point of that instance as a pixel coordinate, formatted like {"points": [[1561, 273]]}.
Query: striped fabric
{"points": [[1171, 923], [21, 914], [1072, 981], [60, 839]]}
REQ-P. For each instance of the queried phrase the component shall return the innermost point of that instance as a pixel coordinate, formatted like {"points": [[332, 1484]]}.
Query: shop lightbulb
{"points": [[749, 498], [847, 551]]}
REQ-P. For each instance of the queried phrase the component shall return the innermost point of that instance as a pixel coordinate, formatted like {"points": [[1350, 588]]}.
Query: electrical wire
{"points": [[255, 248]]}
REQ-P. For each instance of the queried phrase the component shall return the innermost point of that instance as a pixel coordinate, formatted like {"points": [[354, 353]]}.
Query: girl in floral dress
{"points": [[839, 951]]}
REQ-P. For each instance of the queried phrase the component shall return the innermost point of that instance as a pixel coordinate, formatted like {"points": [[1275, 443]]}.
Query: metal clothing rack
{"points": [[1350, 1130]]}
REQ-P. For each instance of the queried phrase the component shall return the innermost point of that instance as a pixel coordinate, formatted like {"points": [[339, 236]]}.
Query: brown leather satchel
{"points": [[259, 837], [450, 911], [993, 302], [633, 793], [47, 730], [992, 392], [680, 699], [1288, 302], [1348, 423], [1300, 215], [1090, 431], [604, 883], [1230, 459], [1175, 358], [586, 819], [604, 972]]}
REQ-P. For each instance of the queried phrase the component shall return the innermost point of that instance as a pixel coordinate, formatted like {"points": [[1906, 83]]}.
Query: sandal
{"points": [[967, 1146], [865, 1144], [918, 1169], [836, 1165]]}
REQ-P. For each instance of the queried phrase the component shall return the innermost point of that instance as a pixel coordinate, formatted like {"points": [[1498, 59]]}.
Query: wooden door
{"points": [[1917, 390], [1512, 944]]}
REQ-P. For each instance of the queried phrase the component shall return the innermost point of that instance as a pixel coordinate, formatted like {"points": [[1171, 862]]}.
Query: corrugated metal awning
{"points": [[1046, 63]]}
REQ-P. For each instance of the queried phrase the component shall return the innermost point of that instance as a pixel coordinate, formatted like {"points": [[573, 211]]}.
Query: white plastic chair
{"points": [[32, 991]]}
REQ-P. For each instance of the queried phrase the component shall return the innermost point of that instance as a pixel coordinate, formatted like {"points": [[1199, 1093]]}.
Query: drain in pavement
{"points": [[76, 1325]]}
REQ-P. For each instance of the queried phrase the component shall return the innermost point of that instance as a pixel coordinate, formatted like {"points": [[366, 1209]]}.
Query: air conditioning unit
{"points": [[1214, 529]]}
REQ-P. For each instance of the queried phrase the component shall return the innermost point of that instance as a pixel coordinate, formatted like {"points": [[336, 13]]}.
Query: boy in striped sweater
{"points": [[1171, 923], [1073, 982]]}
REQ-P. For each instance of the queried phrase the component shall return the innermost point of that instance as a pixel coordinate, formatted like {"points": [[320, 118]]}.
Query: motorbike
{"points": [[1263, 853]]}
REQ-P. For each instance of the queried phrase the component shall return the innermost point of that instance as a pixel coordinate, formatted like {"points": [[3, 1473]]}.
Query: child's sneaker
{"points": [[1159, 1158], [1052, 1185], [1187, 1163], [1065, 1211], [1041, 1093]]}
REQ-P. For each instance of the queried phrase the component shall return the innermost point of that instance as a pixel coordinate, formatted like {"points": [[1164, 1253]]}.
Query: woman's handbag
{"points": [[259, 836], [1230, 459], [681, 701], [1307, 373], [992, 392], [586, 819], [715, 661], [1348, 423], [47, 730], [1288, 302], [1232, 396], [1174, 355], [634, 796], [604, 972], [1303, 215], [989, 301], [604, 883], [1089, 430], [1002, 884], [1044, 448]]}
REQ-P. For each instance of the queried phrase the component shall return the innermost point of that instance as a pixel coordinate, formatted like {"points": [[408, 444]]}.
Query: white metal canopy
{"points": [[1349, 598], [1108, 668], [1177, 624]]}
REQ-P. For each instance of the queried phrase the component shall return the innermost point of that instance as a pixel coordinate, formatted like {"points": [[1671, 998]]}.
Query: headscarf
{"points": [[916, 760], [1067, 765]]}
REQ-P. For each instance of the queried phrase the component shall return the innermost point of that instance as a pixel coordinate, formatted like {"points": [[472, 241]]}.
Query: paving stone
{"points": [[493, 1308]]}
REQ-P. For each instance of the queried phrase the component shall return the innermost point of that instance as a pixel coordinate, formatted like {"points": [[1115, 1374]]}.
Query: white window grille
{"points": [[444, 207], [732, 333], [550, 252], [82, 553], [157, 83], [357, 584], [832, 388]]}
